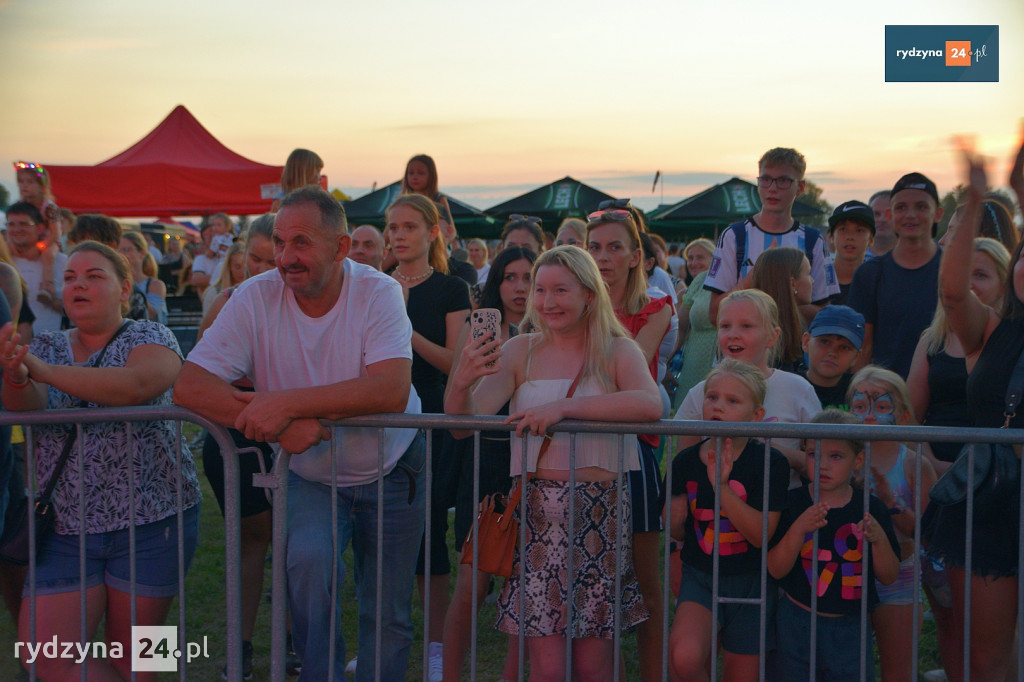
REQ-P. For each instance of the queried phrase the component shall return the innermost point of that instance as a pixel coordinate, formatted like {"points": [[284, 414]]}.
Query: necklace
{"points": [[404, 278]]}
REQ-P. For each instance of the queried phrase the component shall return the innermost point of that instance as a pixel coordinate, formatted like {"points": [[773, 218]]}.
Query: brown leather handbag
{"points": [[499, 531]]}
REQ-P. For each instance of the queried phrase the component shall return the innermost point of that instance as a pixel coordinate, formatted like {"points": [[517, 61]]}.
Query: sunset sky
{"points": [[509, 96]]}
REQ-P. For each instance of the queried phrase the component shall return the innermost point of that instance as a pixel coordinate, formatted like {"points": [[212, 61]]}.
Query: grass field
{"points": [[205, 617]]}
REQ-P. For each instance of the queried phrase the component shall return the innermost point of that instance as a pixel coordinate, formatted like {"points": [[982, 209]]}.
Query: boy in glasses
{"points": [[780, 180]]}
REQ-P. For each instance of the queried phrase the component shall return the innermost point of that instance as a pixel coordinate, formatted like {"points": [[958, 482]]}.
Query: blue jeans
{"points": [[309, 568]]}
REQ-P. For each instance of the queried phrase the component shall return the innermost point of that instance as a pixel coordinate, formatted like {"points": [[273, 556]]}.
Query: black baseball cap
{"points": [[854, 210], [918, 181]]}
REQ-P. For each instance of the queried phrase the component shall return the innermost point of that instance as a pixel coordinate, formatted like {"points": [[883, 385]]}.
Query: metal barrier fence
{"points": [[815, 432], [232, 548]]}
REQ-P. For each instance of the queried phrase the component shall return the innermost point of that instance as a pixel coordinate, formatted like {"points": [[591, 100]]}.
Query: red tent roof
{"points": [[179, 168]]}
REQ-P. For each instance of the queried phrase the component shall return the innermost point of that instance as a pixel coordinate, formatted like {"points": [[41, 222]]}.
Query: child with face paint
{"points": [[879, 396]]}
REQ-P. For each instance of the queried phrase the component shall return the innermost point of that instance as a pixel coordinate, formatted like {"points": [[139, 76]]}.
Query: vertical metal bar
{"points": [[916, 631], [765, 500], [33, 487], [475, 566], [335, 559], [427, 530], [182, 632], [233, 552], [570, 581], [82, 608], [278, 566], [716, 557], [816, 497], [524, 476], [968, 561], [378, 634], [667, 561], [864, 569], [1020, 581], [619, 530]]}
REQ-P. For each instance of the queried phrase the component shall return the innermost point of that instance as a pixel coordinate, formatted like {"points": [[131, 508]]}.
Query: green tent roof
{"points": [[370, 208], [565, 198]]}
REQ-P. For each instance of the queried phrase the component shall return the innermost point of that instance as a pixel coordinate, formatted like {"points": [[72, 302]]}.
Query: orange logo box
{"points": [[958, 53]]}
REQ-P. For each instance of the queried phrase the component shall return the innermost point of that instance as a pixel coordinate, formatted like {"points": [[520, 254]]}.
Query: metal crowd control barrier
{"points": [[431, 422], [815, 432], [232, 548]]}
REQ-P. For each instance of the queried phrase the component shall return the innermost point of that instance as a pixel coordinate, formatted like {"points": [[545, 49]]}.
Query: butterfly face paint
{"points": [[877, 404]]}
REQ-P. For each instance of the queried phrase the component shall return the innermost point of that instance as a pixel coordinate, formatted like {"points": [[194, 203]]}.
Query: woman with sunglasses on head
{"points": [[581, 364], [104, 361], [523, 231], [506, 290], [438, 305], [614, 243]]}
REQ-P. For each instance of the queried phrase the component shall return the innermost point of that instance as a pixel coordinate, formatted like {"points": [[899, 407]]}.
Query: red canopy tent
{"points": [[179, 168]]}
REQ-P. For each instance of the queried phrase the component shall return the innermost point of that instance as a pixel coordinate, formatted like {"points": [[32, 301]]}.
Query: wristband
{"points": [[12, 384]]}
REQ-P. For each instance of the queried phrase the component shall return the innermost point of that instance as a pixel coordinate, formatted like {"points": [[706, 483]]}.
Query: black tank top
{"points": [[986, 385]]}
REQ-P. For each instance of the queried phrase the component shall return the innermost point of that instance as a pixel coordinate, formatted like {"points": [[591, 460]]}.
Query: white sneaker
{"points": [[350, 669], [436, 663]]}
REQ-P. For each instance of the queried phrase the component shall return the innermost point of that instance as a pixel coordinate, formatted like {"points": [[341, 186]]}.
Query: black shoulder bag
{"points": [[996, 466], [14, 544]]}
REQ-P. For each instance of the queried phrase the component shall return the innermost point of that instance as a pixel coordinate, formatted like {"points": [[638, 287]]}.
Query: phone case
{"points": [[485, 322]]}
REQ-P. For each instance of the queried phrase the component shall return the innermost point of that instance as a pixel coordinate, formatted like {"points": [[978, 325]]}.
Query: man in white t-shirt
{"points": [[323, 337], [780, 181], [25, 227]]}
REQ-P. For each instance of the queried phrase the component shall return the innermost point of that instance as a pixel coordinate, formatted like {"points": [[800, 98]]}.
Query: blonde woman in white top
{"points": [[579, 335]]}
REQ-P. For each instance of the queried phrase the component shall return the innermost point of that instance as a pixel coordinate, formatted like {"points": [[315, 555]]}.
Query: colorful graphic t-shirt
{"points": [[690, 477], [840, 554]]}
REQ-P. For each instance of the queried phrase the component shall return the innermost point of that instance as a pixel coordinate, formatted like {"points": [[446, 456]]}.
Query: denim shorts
{"points": [[901, 592], [838, 646], [739, 624], [108, 561]]}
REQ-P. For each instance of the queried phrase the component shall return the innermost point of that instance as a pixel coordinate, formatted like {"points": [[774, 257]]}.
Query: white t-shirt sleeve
{"points": [[388, 329], [226, 349], [826, 284], [691, 408], [722, 277]]}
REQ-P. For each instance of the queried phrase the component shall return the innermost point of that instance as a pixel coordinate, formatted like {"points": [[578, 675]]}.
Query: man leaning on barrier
{"points": [[323, 337]]}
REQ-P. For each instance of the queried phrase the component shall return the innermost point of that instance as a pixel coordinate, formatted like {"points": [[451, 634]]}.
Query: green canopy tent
{"points": [[707, 213], [370, 208], [565, 198]]}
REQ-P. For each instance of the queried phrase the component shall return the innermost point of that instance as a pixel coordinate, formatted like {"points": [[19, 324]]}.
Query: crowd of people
{"points": [[870, 321]]}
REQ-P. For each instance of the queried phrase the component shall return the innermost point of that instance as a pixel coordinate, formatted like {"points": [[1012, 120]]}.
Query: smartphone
{"points": [[485, 322]]}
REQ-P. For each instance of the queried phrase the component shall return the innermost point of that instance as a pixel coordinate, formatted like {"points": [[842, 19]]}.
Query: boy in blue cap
{"points": [[832, 344]]}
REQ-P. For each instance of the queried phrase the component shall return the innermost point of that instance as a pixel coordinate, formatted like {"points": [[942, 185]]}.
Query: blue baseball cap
{"points": [[840, 320]]}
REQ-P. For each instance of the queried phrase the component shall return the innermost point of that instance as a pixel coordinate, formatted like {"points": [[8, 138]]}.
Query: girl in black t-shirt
{"points": [[842, 524], [734, 391]]}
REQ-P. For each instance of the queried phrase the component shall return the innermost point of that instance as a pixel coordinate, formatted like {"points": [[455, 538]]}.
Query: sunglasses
{"points": [[614, 214], [515, 217], [614, 203]]}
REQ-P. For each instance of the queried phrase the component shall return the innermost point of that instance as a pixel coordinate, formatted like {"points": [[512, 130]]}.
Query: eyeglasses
{"points": [[782, 182], [614, 203], [17, 223], [515, 217], [610, 214]]}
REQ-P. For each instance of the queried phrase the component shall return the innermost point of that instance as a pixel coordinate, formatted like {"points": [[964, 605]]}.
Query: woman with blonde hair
{"points": [[302, 168], [698, 255], [614, 242], [581, 364], [149, 294], [232, 273]]}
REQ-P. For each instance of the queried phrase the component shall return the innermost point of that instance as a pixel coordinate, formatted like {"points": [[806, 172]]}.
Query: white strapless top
{"points": [[591, 449]]}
